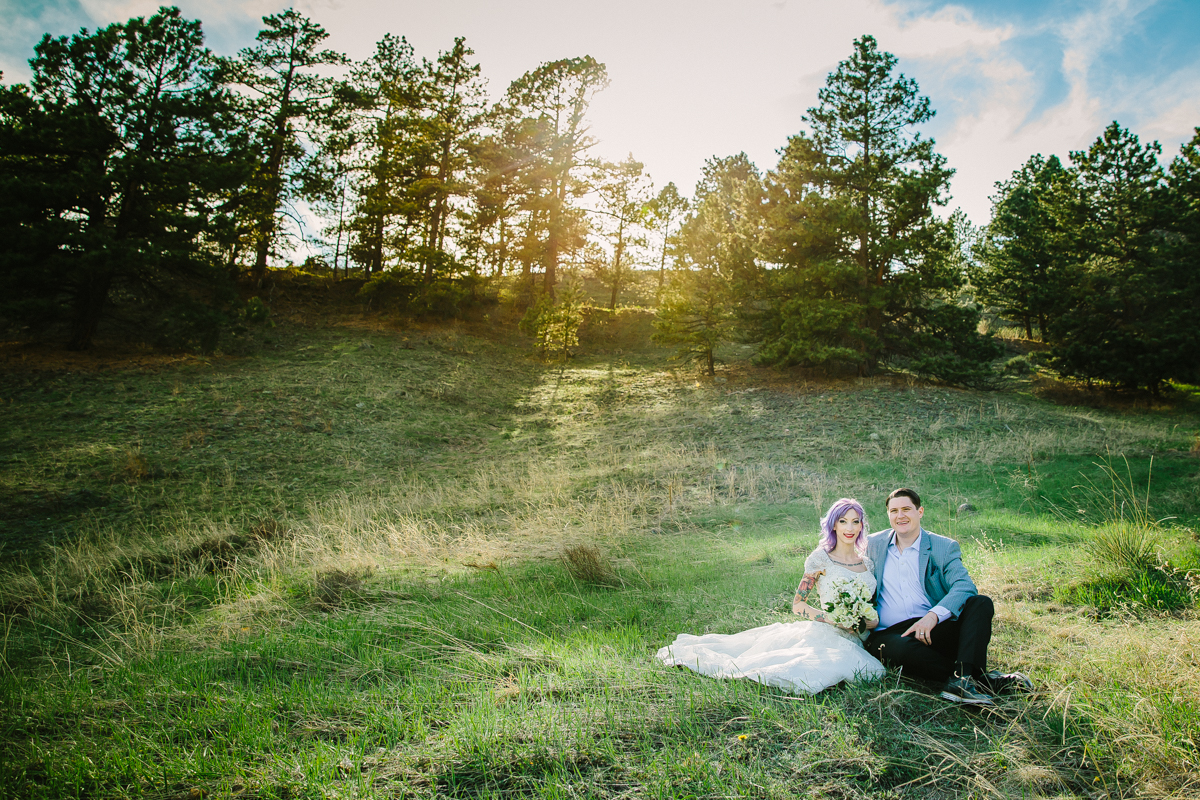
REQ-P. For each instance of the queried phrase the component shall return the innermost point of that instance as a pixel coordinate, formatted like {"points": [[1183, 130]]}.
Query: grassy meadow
{"points": [[367, 561]]}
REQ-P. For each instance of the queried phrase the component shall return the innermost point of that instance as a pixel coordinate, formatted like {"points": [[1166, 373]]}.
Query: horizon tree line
{"points": [[141, 175]]}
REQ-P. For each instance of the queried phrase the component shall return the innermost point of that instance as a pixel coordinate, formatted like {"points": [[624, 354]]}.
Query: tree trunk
{"points": [[262, 247], [274, 183], [437, 224], [502, 250], [337, 248], [375, 260], [616, 278], [88, 309], [550, 259], [662, 263]]}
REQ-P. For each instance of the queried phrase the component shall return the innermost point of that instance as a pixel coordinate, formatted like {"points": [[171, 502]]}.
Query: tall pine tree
{"points": [[865, 270], [289, 103], [623, 192], [391, 156], [554, 98], [717, 268], [1023, 257]]}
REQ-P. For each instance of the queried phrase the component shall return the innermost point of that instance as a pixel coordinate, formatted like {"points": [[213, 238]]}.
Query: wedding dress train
{"points": [[801, 656]]}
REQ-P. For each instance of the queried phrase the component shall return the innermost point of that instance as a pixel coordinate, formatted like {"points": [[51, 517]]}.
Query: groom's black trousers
{"points": [[963, 640]]}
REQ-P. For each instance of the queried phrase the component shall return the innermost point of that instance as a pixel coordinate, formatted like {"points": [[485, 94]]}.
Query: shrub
{"points": [[554, 324], [338, 588], [587, 564], [1129, 547], [1018, 365], [1128, 542], [441, 298], [393, 288], [256, 310], [189, 326]]}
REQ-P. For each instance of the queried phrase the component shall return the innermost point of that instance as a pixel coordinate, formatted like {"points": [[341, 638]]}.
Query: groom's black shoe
{"points": [[965, 690], [998, 683]]}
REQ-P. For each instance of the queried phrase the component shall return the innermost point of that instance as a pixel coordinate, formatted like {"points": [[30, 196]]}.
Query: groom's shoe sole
{"points": [[967, 692], [968, 701]]}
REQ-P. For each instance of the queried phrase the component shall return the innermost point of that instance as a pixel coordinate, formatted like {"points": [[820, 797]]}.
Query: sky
{"points": [[694, 79]]}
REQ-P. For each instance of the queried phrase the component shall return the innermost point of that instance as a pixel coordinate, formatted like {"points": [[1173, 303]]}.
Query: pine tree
{"points": [[716, 262], [391, 156], [504, 187], [864, 270], [696, 316], [454, 99], [623, 191], [1181, 249], [1128, 318], [554, 322], [290, 103], [114, 162], [554, 98], [665, 210], [1025, 252]]}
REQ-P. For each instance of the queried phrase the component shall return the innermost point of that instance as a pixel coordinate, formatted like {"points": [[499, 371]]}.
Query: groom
{"points": [[933, 623]]}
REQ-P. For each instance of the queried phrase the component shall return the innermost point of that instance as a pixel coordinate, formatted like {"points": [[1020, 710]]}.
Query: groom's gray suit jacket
{"points": [[947, 583]]}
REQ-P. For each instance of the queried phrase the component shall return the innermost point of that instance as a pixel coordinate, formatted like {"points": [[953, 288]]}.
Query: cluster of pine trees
{"points": [[1101, 260], [836, 258], [142, 174]]}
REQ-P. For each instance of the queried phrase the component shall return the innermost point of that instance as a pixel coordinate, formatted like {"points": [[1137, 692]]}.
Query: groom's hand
{"points": [[922, 629]]}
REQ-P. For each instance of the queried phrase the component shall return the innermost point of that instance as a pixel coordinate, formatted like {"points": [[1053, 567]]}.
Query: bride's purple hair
{"points": [[836, 512]]}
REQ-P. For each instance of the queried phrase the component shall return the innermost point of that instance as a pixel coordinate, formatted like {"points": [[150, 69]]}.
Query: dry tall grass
{"points": [[533, 509], [1126, 681]]}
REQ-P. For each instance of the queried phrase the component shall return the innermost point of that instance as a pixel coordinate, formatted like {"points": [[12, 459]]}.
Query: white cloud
{"points": [[998, 124], [1094, 31], [951, 33]]}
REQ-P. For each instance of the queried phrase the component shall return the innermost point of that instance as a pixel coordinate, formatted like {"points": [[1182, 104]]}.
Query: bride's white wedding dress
{"points": [[800, 656]]}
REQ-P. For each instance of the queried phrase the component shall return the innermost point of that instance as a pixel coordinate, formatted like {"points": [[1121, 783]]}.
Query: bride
{"points": [[805, 656]]}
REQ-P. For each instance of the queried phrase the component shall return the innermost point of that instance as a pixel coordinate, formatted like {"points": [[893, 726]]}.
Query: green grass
{"points": [[234, 579], [522, 680]]}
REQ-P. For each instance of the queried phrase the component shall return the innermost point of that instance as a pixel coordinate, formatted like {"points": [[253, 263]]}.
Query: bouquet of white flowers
{"points": [[851, 606]]}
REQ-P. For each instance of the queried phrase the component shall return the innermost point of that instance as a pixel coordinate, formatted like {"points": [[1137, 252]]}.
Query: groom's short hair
{"points": [[909, 493]]}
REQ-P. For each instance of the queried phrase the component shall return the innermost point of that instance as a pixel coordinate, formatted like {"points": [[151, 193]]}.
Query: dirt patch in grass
{"points": [[22, 357]]}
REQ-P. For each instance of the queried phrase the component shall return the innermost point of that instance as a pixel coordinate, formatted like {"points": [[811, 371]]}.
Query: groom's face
{"points": [[904, 515]]}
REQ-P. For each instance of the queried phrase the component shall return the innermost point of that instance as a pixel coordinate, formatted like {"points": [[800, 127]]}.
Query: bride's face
{"points": [[847, 527]]}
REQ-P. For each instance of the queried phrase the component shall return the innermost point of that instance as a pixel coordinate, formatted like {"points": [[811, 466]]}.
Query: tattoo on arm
{"points": [[807, 592]]}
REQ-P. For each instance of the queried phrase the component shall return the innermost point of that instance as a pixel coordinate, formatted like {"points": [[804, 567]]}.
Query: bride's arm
{"points": [[807, 602]]}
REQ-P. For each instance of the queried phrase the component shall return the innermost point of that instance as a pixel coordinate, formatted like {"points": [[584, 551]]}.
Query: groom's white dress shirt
{"points": [[902, 594]]}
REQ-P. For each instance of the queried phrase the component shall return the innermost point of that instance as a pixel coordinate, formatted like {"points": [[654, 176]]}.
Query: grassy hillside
{"points": [[377, 562]]}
